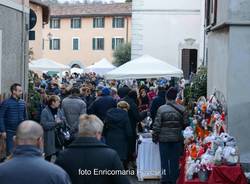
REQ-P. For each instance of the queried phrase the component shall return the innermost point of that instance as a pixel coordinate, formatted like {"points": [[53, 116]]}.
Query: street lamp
{"points": [[49, 36]]}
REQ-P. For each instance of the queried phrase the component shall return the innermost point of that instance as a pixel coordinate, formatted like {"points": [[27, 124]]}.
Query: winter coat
{"points": [[123, 91], [88, 99], [158, 101], [117, 131], [169, 123], [48, 123], [101, 105], [88, 154], [12, 113], [28, 166], [134, 117], [73, 107]]}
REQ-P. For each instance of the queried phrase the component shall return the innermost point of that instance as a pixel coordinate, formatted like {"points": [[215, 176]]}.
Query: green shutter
{"points": [[113, 22], [103, 22], [93, 43], [58, 44], [98, 46], [122, 22], [102, 43], [50, 44], [59, 23], [93, 22], [113, 43], [80, 23], [50, 23], [75, 44]]}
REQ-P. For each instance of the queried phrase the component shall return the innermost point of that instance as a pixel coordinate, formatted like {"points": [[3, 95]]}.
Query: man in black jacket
{"points": [[89, 161], [158, 101], [134, 117], [167, 130], [101, 105]]}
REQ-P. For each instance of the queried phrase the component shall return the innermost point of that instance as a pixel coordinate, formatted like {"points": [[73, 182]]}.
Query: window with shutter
{"points": [[54, 44], [118, 22], [76, 43], [98, 43], [55, 23], [116, 42], [76, 23], [98, 22]]}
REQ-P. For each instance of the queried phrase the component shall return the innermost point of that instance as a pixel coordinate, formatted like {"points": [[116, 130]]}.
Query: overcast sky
{"points": [[118, 1]]}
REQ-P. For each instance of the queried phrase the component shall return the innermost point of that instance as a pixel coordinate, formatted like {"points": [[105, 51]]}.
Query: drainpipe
{"points": [[24, 47], [204, 62]]}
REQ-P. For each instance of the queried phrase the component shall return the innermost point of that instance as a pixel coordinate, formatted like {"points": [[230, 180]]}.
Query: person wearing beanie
{"points": [[171, 93], [105, 91], [169, 122], [102, 104]]}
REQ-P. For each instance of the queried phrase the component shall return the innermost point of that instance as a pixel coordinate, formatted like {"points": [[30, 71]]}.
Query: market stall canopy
{"points": [[144, 67], [47, 64], [101, 67]]}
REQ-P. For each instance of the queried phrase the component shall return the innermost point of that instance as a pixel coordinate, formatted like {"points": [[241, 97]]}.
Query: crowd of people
{"points": [[82, 119]]}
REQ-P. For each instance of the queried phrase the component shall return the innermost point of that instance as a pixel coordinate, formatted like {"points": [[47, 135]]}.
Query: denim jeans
{"points": [[9, 141], [170, 153]]}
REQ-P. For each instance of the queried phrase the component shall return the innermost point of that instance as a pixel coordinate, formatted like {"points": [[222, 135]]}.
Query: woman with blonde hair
{"points": [[117, 130], [51, 117]]}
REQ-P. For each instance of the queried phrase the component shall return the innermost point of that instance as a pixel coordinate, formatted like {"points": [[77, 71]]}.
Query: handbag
{"points": [[63, 135]]}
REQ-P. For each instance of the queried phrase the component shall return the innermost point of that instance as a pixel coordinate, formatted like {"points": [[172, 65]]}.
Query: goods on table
{"points": [[207, 141]]}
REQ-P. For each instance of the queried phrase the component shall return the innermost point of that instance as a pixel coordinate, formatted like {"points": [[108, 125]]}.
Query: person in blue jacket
{"points": [[12, 113], [27, 164]]}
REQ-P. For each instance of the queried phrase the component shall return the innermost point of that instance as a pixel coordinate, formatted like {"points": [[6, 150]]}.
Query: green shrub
{"points": [[196, 89]]}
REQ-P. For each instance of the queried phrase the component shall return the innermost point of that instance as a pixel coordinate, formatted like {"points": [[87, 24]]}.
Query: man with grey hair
{"points": [[27, 164], [87, 160]]}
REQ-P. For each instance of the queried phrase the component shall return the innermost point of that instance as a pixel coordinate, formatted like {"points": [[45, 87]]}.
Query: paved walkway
{"points": [[134, 180]]}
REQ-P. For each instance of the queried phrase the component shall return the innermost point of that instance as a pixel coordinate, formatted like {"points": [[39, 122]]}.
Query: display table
{"points": [[219, 175], [148, 159]]}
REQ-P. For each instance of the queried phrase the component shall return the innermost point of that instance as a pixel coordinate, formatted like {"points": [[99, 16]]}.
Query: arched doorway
{"points": [[75, 66], [188, 57], [189, 62]]}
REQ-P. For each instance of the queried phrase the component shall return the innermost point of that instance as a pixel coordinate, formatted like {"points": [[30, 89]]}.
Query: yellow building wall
{"points": [[85, 55]]}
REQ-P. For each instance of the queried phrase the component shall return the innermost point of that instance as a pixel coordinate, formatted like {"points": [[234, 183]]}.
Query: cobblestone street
{"points": [[134, 180]]}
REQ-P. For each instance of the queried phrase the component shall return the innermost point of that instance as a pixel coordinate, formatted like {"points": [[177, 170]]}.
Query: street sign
{"points": [[33, 19], [32, 35]]}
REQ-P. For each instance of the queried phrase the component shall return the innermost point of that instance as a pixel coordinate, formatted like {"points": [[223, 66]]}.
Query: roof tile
{"points": [[90, 10]]}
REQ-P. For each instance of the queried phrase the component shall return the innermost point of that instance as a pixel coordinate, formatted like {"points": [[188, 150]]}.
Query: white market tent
{"points": [[45, 64], [101, 67], [144, 67]]}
